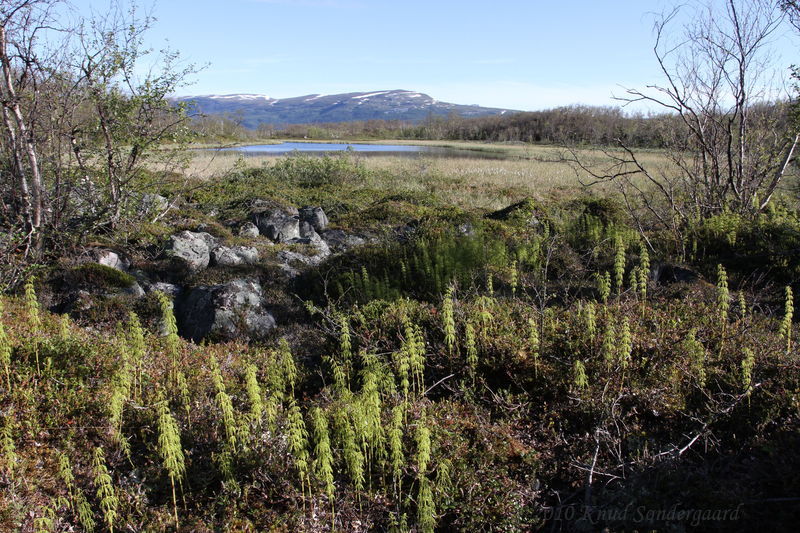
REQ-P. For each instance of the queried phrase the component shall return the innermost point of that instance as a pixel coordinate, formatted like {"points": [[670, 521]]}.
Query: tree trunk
{"points": [[22, 140]]}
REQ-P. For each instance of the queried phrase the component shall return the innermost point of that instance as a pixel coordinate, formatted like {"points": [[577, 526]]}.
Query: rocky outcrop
{"points": [[111, 259], [234, 256], [234, 310], [154, 204], [249, 230], [192, 249], [338, 241], [279, 223], [668, 273], [314, 216]]}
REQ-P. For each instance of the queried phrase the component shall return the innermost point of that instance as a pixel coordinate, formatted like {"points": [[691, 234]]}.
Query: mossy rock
{"points": [[100, 276], [609, 211], [527, 212], [391, 212]]}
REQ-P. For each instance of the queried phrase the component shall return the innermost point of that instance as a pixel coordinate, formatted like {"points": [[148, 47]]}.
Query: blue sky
{"points": [[518, 54]]}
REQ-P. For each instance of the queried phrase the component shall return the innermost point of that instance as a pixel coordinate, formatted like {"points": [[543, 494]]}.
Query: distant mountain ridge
{"points": [[256, 109]]}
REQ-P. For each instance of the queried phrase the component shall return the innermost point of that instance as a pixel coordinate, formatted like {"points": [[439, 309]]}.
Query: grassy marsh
{"points": [[470, 183]]}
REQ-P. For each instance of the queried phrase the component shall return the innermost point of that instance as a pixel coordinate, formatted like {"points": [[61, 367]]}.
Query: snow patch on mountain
{"points": [[370, 94]]}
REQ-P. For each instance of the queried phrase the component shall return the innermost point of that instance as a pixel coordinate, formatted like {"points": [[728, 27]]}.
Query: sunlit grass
{"points": [[469, 182]]}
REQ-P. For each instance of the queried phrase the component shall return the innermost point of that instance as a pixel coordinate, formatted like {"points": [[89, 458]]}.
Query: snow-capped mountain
{"points": [[255, 109]]}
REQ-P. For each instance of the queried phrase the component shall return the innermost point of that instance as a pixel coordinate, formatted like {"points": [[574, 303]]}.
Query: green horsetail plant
{"points": [[609, 346], [109, 502], [10, 457], [534, 344], [369, 407], [604, 286], [643, 272], [422, 436], [65, 472], [643, 277], [254, 395], [170, 330], [64, 333], [633, 280], [170, 450], [748, 362], [345, 342], [185, 396], [84, 512], [224, 404], [137, 349], [444, 484], [426, 509], [742, 305], [396, 458], [449, 321], [297, 438], [120, 387], [625, 344], [489, 284], [644, 263], [514, 278], [5, 356], [271, 407], [549, 323], [402, 365], [33, 318], [340, 382], [619, 263], [287, 364], [353, 457], [579, 377], [472, 349], [484, 306], [80, 506], [44, 523], [323, 456], [696, 354], [785, 330], [723, 297], [413, 345]]}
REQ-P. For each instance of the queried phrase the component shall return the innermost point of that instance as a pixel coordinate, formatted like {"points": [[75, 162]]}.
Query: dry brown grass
{"points": [[469, 182]]}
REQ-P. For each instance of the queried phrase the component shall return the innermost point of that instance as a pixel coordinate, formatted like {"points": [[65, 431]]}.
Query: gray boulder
{"points": [[235, 256], [307, 231], [338, 241], [281, 224], [154, 203], [233, 310], [134, 290], [249, 230], [191, 248], [111, 259], [314, 216], [170, 289]]}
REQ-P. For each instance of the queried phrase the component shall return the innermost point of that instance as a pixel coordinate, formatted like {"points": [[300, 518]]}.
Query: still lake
{"points": [[360, 148]]}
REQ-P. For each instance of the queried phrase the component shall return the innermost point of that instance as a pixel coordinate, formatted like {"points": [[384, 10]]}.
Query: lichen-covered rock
{"points": [[191, 248], [314, 216], [249, 230], [233, 310], [339, 241], [170, 289], [111, 259], [154, 203], [281, 224], [234, 256], [307, 231]]}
